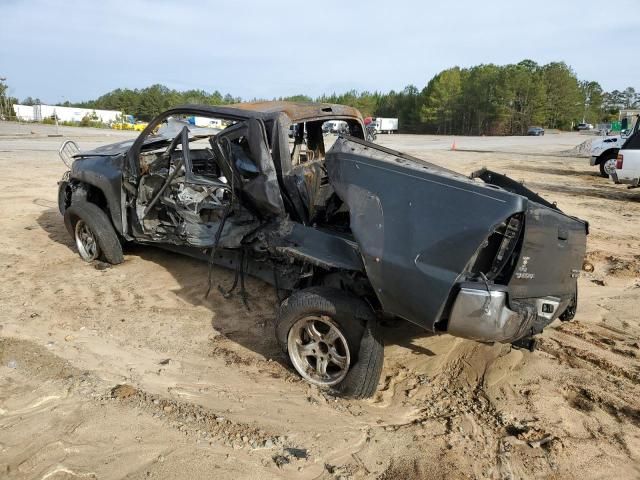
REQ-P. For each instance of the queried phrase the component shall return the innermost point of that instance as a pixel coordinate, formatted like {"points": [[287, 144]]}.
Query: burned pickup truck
{"points": [[348, 232]]}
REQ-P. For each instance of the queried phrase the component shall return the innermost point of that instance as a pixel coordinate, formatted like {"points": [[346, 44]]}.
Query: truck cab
{"points": [[604, 152], [627, 169]]}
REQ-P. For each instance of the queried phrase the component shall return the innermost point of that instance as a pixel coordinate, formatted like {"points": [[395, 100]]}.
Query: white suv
{"points": [[604, 152], [628, 161]]}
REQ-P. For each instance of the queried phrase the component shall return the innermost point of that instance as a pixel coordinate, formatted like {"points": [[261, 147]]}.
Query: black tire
{"points": [[98, 222], [64, 197], [603, 160], [357, 323]]}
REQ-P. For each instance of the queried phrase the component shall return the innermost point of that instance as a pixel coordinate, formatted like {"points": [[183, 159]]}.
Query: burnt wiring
{"points": [[223, 220], [240, 267], [487, 302], [276, 282], [239, 275], [227, 293]]}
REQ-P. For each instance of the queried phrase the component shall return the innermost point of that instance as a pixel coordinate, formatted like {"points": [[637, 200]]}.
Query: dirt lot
{"points": [[205, 393]]}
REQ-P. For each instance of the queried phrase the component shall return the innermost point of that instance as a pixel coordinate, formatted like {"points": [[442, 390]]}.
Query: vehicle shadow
{"points": [[556, 171], [617, 193], [252, 327], [52, 223]]}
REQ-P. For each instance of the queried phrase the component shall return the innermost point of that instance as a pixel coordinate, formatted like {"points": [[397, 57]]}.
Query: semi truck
{"points": [[385, 125]]}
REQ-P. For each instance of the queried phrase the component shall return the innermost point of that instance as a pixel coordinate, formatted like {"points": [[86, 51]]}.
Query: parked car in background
{"points": [[627, 169], [584, 126], [334, 126], [604, 151], [535, 131]]}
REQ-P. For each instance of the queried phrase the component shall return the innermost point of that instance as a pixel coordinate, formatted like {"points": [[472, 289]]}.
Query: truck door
{"points": [[628, 163]]}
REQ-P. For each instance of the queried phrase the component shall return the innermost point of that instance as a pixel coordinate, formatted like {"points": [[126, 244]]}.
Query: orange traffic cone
{"points": [[453, 145]]}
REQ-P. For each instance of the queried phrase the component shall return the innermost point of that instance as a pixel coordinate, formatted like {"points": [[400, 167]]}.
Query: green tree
{"points": [[480, 100], [524, 97], [592, 98], [296, 98], [441, 101], [564, 102], [6, 102], [630, 98]]}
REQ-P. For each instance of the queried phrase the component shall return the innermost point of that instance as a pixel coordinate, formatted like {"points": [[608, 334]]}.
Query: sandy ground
{"points": [[129, 372]]}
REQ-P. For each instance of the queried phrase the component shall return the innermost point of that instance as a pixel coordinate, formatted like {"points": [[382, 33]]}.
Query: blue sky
{"points": [[76, 50]]}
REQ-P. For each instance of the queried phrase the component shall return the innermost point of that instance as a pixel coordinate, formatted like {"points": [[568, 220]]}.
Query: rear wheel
{"points": [[93, 233], [332, 340], [608, 164]]}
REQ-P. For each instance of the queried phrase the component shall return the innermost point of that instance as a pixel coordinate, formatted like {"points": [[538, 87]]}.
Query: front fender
{"points": [[602, 145], [105, 174]]}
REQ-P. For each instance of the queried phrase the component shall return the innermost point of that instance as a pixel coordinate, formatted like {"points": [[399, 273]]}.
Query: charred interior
{"points": [[193, 192], [497, 256], [187, 186], [309, 142]]}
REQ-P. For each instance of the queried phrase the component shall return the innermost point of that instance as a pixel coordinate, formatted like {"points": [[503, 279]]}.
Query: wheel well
{"points": [[607, 155], [354, 283], [88, 193], [95, 195]]}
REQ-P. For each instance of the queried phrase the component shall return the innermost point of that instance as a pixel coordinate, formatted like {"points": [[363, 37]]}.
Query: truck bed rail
{"points": [[67, 152]]}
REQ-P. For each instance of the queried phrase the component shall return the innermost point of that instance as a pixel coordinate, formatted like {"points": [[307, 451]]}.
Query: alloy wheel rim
{"points": [[319, 350], [610, 166], [86, 241]]}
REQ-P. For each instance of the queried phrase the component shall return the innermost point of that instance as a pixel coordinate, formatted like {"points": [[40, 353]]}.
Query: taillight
{"points": [[619, 162], [494, 254], [509, 239]]}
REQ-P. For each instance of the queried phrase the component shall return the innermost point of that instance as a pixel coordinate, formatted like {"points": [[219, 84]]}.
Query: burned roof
{"points": [[297, 111]]}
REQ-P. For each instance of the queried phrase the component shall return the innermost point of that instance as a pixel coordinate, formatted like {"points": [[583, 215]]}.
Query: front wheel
{"points": [[332, 340], [93, 233], [608, 165]]}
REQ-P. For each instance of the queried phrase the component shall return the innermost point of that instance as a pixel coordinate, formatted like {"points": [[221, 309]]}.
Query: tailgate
{"points": [[551, 256]]}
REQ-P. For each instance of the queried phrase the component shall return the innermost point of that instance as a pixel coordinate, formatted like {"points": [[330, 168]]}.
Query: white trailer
{"points": [[37, 113], [385, 125]]}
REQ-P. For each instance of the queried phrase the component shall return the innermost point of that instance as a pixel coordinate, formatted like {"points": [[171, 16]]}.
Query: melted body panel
{"points": [[417, 225], [419, 228]]}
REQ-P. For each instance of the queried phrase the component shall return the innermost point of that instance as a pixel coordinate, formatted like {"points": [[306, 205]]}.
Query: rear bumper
{"points": [[593, 161], [614, 177], [625, 180], [482, 312]]}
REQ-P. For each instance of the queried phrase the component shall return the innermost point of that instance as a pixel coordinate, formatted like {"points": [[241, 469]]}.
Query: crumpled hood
{"points": [[166, 132], [107, 150]]}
